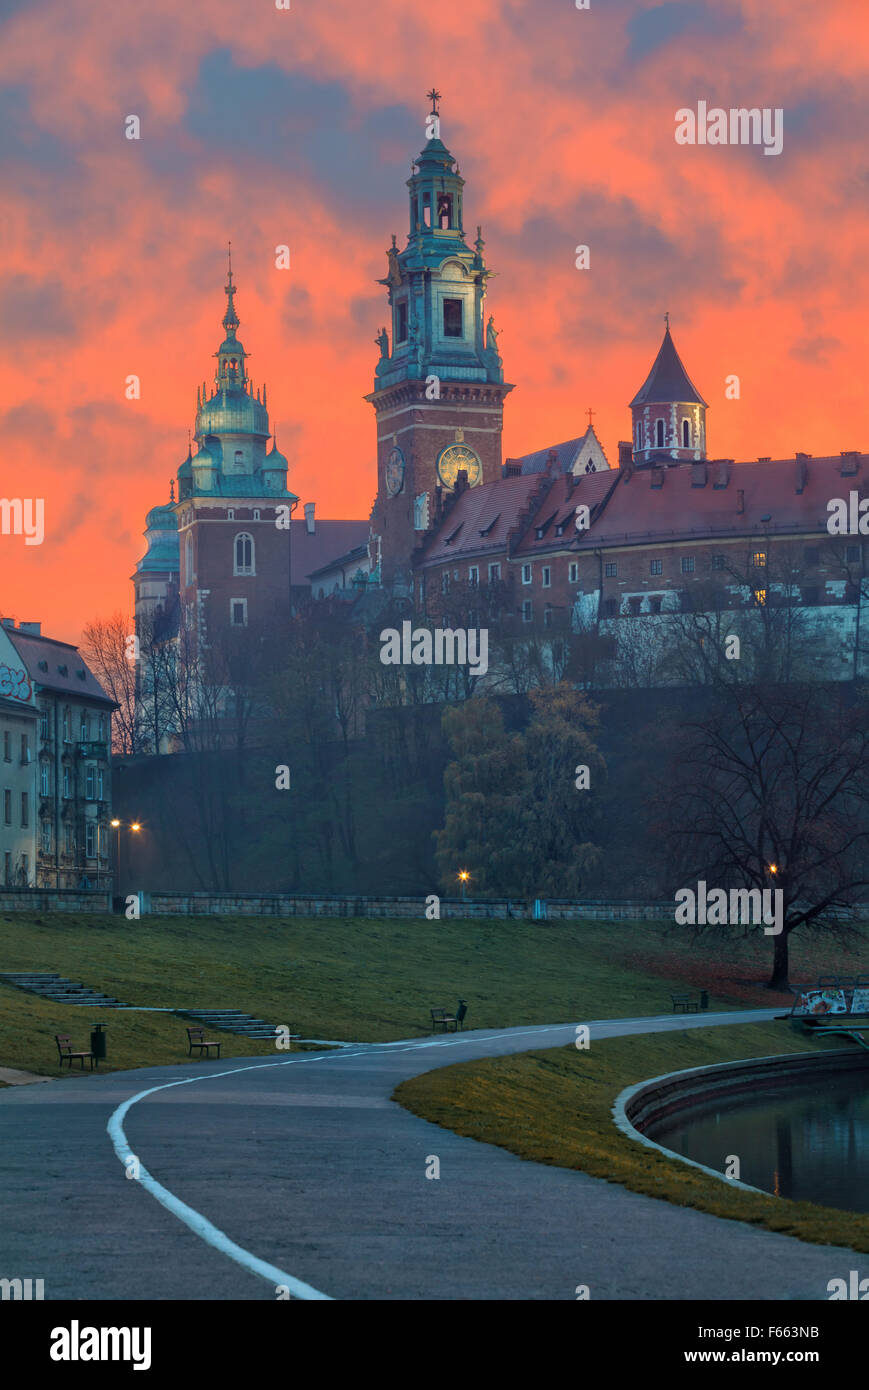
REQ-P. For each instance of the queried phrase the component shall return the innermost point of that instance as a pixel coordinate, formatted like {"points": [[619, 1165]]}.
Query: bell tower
{"points": [[439, 385]]}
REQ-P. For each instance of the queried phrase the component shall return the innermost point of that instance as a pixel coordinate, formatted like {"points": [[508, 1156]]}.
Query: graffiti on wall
{"points": [[14, 684]]}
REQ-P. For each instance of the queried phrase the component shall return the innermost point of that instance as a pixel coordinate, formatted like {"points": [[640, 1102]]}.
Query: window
{"points": [[547, 615], [687, 564], [810, 554], [102, 728], [445, 582], [43, 723], [852, 555], [243, 563], [610, 569], [7, 807], [656, 567], [758, 559], [572, 572], [90, 783], [7, 869], [718, 562], [7, 746], [526, 574], [610, 608], [760, 597], [659, 426], [68, 842], [25, 810], [90, 832], [655, 603], [230, 514], [547, 577], [256, 514], [83, 728], [25, 748], [473, 574], [25, 867], [66, 726], [494, 572], [453, 327], [66, 790], [810, 594], [43, 779], [445, 211], [46, 836], [238, 612], [639, 434], [401, 321], [188, 562], [527, 610], [100, 784], [103, 841], [686, 435]]}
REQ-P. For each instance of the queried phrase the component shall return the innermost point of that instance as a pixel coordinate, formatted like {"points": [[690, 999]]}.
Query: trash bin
{"points": [[704, 998], [98, 1042]]}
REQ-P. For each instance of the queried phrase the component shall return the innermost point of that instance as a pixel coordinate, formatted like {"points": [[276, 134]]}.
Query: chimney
{"points": [[626, 454], [722, 478], [32, 629], [850, 463], [551, 460], [309, 517], [801, 472], [698, 474], [461, 481], [740, 500]]}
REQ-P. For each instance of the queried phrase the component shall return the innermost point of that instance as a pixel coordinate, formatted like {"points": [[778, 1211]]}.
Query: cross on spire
{"points": [[589, 413], [667, 321], [434, 97]]}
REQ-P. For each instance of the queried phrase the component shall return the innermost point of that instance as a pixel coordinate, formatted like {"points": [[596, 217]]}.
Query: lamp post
{"points": [[463, 877], [135, 826]]}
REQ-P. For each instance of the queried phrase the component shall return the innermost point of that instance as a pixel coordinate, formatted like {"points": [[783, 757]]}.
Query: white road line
{"points": [[219, 1240]]}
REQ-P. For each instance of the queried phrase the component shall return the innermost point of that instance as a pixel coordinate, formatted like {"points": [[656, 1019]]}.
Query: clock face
{"points": [[395, 472], [455, 457]]}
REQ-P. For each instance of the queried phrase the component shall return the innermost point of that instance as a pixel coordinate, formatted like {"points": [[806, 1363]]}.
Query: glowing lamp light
{"points": [[135, 825], [115, 824]]}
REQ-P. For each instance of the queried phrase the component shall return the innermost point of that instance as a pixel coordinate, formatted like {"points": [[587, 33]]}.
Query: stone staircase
{"points": [[61, 991], [233, 1021]]}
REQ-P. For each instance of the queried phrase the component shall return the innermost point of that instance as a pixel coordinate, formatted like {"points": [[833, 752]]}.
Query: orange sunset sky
{"points": [[267, 127]]}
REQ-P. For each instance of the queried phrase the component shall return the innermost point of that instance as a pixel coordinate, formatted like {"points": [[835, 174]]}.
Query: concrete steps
{"points": [[60, 990], [234, 1021]]}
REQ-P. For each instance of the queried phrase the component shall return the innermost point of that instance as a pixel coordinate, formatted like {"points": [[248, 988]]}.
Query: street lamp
{"points": [[463, 876], [135, 826]]}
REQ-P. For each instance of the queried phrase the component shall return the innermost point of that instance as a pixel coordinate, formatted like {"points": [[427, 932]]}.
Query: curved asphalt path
{"points": [[310, 1167]]}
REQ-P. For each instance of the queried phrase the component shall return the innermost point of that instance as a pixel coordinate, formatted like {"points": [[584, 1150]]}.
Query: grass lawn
{"points": [[556, 1107], [365, 980]]}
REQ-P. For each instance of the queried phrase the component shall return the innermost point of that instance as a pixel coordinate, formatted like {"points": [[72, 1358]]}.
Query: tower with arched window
{"points": [[668, 413]]}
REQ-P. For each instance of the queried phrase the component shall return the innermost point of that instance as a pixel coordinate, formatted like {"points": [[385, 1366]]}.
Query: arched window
{"points": [[639, 434], [660, 434], [243, 554], [686, 435], [188, 551]]}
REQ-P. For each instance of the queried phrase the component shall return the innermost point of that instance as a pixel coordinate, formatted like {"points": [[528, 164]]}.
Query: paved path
{"points": [[304, 1161]]}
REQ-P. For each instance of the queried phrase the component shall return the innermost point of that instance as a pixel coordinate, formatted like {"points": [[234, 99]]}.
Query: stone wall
{"points": [[53, 900]]}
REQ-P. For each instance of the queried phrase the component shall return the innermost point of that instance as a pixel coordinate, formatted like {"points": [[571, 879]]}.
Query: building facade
{"points": [[56, 781]]}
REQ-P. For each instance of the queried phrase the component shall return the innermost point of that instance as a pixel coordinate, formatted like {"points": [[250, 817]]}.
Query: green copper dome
{"points": [[232, 412]]}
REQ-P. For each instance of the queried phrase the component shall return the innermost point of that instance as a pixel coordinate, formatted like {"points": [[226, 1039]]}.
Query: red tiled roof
{"points": [[502, 502], [331, 539]]}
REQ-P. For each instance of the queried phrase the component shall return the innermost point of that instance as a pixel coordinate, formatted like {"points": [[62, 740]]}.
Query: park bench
{"points": [[64, 1049], [196, 1038], [441, 1019], [686, 1002]]}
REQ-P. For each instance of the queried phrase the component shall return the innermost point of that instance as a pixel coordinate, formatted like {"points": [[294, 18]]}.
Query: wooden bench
{"points": [[440, 1018], [64, 1049], [686, 1002], [196, 1038]]}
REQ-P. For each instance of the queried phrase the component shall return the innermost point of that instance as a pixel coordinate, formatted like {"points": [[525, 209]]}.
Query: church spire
{"points": [[231, 374], [230, 318]]}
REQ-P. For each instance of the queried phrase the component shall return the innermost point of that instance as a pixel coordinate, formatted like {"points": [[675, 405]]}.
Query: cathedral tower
{"points": [[439, 386], [668, 413]]}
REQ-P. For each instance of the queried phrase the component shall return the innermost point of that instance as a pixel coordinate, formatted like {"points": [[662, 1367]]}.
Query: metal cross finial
{"points": [[590, 412], [667, 321], [434, 97]]}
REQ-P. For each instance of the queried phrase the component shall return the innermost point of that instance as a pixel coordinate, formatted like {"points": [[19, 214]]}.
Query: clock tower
{"points": [[439, 386]]}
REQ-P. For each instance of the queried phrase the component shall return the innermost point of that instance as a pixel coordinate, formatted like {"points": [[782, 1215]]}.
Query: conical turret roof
{"points": [[667, 381]]}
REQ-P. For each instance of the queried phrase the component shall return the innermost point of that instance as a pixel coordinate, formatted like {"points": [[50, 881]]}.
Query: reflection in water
{"points": [[807, 1141]]}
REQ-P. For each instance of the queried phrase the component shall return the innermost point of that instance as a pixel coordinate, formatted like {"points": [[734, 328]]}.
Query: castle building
{"points": [[226, 552]]}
